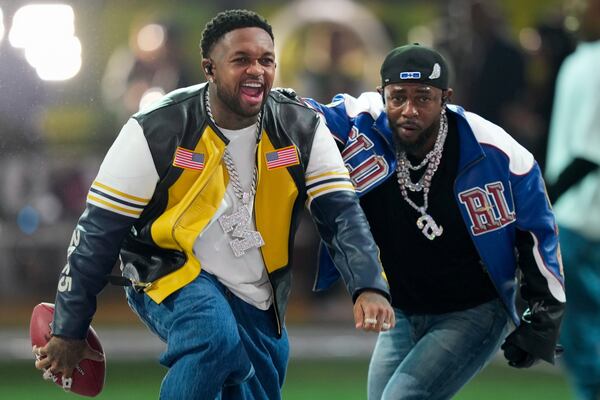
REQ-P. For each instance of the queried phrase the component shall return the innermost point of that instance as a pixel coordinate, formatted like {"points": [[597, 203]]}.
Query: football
{"points": [[88, 377]]}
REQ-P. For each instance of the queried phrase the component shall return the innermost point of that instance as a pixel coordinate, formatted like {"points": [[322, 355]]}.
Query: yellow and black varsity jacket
{"points": [[152, 219]]}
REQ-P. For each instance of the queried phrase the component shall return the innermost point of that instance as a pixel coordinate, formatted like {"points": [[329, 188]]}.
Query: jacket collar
{"points": [[470, 149]]}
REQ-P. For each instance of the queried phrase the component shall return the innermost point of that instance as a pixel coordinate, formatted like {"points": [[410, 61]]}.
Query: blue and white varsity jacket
{"points": [[499, 190]]}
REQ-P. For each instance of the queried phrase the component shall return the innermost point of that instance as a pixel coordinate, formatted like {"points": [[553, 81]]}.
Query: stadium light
{"points": [[55, 61], [47, 34]]}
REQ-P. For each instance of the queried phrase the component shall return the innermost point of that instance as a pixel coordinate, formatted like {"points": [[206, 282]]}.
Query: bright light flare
{"points": [[35, 21], [151, 96], [151, 37], [55, 61], [47, 34]]}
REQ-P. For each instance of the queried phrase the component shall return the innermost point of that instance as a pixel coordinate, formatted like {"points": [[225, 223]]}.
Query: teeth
{"points": [[252, 84]]}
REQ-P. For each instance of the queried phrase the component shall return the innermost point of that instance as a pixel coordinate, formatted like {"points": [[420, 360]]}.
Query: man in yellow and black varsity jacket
{"points": [[166, 200]]}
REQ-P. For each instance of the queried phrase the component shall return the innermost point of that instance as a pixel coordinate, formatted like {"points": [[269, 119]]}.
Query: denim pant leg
{"points": [[580, 333], [204, 348], [269, 354], [433, 356]]}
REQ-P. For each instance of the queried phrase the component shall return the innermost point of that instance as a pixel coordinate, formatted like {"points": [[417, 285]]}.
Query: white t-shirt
{"points": [[245, 276]]}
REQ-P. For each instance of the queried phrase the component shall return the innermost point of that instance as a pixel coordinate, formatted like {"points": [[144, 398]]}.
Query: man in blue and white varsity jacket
{"points": [[459, 211]]}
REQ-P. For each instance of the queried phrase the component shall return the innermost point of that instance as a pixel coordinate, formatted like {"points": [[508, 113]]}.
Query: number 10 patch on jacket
{"points": [[284, 157]]}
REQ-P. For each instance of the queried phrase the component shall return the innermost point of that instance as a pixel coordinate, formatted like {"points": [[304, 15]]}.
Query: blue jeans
{"points": [[433, 356], [580, 334], [218, 346]]}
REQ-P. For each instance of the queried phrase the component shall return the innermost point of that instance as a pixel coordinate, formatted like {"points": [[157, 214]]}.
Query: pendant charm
{"points": [[238, 224], [428, 227]]}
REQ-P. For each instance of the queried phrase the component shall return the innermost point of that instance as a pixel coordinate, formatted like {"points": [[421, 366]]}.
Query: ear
{"points": [[207, 67], [446, 96], [380, 90]]}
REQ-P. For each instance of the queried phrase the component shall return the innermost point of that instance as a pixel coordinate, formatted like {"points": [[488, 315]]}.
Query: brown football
{"points": [[88, 377]]}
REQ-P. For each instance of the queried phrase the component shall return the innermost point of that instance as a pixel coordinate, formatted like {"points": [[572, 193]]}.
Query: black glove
{"points": [[516, 356]]}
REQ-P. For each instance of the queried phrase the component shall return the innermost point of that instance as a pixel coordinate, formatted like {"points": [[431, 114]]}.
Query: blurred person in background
{"points": [[484, 38], [556, 43], [199, 196], [451, 199], [150, 66], [574, 188]]}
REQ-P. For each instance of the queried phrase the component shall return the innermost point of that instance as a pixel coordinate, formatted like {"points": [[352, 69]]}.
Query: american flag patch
{"points": [[188, 159], [282, 158]]}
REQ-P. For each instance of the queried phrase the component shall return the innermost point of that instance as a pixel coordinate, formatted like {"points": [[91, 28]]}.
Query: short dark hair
{"points": [[228, 21]]}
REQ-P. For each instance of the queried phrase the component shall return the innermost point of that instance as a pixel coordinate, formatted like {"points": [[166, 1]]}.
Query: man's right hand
{"points": [[61, 355]]}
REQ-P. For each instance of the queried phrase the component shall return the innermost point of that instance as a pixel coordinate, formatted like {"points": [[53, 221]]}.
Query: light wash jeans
{"points": [[218, 346], [580, 333], [432, 356]]}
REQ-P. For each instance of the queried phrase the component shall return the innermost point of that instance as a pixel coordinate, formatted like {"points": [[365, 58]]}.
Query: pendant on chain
{"points": [[428, 227], [238, 223]]}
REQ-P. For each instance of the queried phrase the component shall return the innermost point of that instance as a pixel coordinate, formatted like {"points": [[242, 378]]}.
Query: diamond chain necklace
{"points": [[239, 221], [425, 222], [245, 197]]}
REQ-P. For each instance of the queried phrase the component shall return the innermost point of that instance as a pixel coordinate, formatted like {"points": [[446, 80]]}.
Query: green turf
{"points": [[306, 380]]}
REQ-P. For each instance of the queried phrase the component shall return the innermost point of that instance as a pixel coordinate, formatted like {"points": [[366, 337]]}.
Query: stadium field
{"points": [[329, 379]]}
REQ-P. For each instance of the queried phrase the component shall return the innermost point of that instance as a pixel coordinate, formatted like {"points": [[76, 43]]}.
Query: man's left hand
{"points": [[373, 312], [516, 356]]}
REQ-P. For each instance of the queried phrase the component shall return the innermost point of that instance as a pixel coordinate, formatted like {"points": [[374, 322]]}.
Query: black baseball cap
{"points": [[414, 63]]}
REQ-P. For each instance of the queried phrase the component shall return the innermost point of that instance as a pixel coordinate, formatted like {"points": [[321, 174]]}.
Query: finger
{"points": [[359, 315], [369, 319], [43, 363], [48, 375], [388, 320], [371, 323], [93, 354], [392, 318], [67, 372], [39, 351]]}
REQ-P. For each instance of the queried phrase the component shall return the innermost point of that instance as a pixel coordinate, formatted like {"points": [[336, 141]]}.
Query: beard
{"points": [[417, 146], [233, 102]]}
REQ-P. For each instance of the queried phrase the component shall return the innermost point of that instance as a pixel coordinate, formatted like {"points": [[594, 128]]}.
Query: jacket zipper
{"points": [[275, 309]]}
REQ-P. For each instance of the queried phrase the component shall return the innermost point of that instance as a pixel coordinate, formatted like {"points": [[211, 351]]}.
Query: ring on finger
{"points": [[370, 321], [386, 326]]}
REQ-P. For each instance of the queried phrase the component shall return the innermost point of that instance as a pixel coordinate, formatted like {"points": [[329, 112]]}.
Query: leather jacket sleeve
{"points": [[117, 197], [92, 254], [542, 281], [347, 236]]}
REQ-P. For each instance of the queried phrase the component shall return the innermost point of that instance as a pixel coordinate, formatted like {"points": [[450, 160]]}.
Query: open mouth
{"points": [[252, 92]]}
